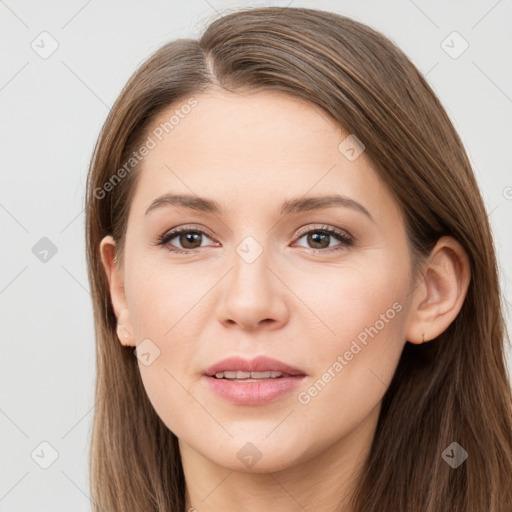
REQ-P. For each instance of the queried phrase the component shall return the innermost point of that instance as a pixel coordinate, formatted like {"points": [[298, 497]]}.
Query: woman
{"points": [[284, 228]]}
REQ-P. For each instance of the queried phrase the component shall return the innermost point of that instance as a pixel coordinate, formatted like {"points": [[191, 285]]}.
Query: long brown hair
{"points": [[455, 388]]}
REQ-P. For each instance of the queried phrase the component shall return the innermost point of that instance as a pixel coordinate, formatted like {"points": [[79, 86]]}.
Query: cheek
{"points": [[168, 308], [163, 296], [362, 335], [363, 301]]}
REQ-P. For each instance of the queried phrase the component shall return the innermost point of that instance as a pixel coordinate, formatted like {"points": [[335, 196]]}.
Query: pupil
{"points": [[314, 239], [189, 237]]}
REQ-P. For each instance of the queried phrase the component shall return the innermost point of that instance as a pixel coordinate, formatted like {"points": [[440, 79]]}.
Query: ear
{"points": [[115, 279], [438, 299]]}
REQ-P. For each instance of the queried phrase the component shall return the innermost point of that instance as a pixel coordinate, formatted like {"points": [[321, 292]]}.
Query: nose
{"points": [[252, 295]]}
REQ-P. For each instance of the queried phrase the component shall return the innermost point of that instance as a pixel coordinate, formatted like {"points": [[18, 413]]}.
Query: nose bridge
{"points": [[251, 294], [250, 276]]}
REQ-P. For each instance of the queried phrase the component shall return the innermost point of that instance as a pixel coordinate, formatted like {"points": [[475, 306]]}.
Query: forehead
{"points": [[249, 148], [283, 124]]}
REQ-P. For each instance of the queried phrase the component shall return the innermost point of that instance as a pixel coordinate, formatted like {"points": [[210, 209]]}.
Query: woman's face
{"points": [[259, 275]]}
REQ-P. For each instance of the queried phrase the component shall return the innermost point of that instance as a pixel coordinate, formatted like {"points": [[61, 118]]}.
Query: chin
{"points": [[253, 456]]}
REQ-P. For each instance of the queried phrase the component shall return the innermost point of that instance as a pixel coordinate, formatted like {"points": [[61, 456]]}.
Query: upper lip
{"points": [[258, 364]]}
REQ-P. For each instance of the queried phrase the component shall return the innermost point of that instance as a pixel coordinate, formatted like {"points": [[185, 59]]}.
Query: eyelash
{"points": [[346, 240]]}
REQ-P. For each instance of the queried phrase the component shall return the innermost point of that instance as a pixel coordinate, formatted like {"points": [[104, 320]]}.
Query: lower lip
{"points": [[253, 393]]}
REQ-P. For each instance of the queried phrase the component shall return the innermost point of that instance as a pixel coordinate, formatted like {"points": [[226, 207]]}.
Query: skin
{"points": [[251, 152]]}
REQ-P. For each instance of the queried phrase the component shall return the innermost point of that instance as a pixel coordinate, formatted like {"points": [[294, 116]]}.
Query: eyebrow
{"points": [[300, 204]]}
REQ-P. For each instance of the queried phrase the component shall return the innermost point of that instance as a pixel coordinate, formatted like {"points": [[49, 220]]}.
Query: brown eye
{"points": [[320, 239], [189, 239]]}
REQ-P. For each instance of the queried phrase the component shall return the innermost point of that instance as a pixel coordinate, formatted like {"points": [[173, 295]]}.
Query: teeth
{"points": [[238, 375]]}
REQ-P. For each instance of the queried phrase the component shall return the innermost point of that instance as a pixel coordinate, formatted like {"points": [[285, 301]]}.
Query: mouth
{"points": [[252, 382], [249, 376], [261, 367]]}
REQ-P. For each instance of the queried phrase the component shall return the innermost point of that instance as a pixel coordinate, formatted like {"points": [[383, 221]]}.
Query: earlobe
{"points": [[439, 298], [124, 329]]}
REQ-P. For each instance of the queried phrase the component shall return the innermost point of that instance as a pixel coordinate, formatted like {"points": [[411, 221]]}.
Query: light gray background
{"points": [[51, 112]]}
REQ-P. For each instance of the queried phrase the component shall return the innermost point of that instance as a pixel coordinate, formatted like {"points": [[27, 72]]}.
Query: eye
{"points": [[320, 239], [190, 239]]}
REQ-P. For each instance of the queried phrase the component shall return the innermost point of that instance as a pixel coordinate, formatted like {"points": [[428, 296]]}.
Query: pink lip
{"points": [[258, 364], [253, 393]]}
